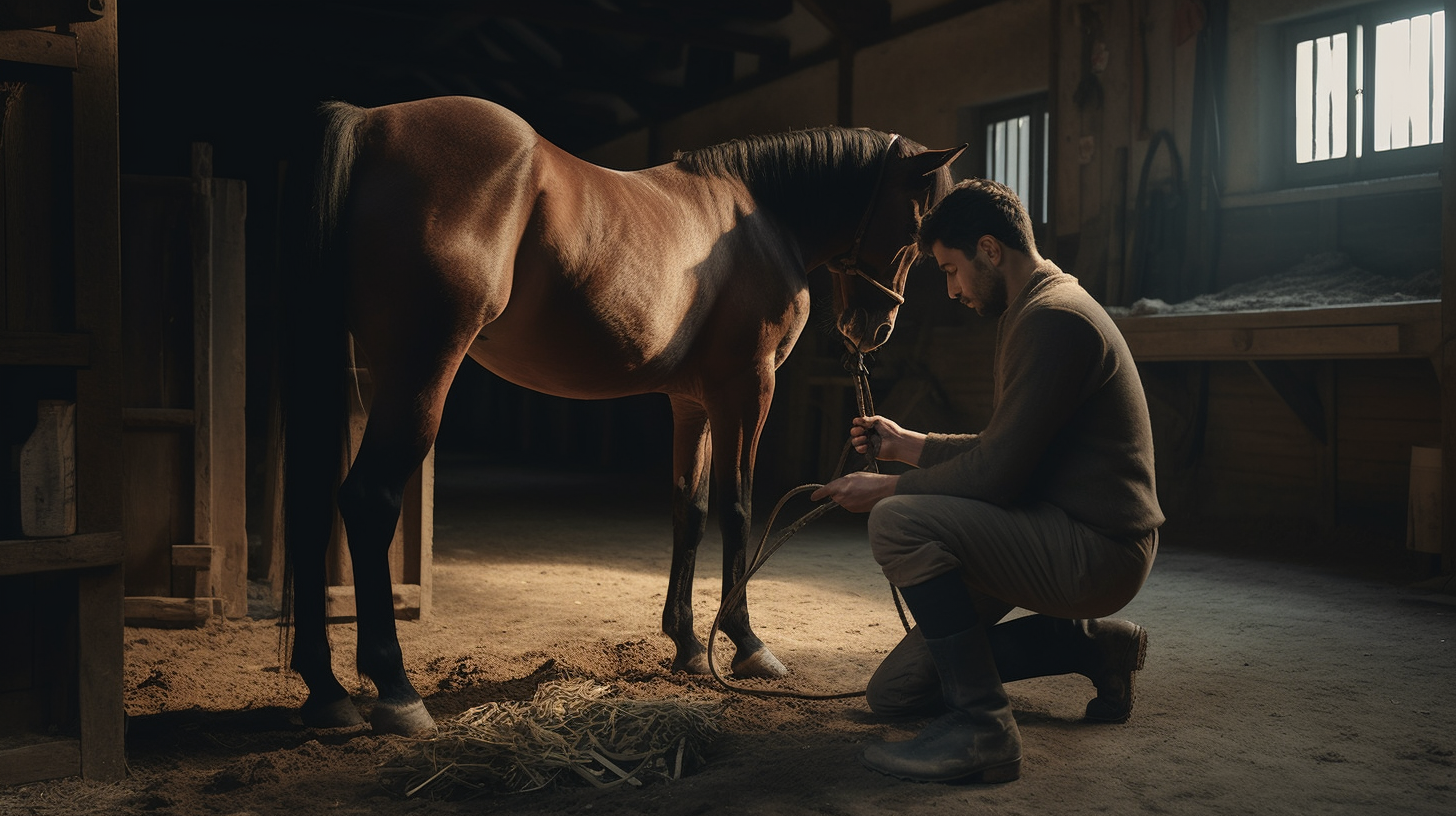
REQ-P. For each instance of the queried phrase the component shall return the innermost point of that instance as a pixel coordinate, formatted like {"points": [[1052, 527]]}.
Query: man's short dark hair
{"points": [[973, 208]]}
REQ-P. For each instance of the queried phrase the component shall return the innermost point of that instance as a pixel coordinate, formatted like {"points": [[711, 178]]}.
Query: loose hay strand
{"points": [[570, 724]]}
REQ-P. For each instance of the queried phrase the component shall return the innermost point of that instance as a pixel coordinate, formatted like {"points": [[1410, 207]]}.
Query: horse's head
{"points": [[869, 280]]}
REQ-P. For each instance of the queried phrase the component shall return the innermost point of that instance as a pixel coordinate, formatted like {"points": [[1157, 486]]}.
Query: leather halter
{"points": [[849, 264]]}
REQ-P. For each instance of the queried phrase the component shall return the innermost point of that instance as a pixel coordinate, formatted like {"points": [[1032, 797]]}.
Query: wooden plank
{"points": [[1445, 355], [1292, 343], [1297, 387], [407, 598], [202, 404], [417, 526], [39, 48], [157, 486], [1411, 314], [229, 396], [273, 537], [192, 555], [177, 419], [45, 349], [48, 472], [97, 263], [35, 144], [100, 643], [70, 552], [44, 759], [163, 611]]}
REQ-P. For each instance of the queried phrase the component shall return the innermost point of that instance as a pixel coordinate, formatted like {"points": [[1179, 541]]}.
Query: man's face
{"points": [[971, 280]]}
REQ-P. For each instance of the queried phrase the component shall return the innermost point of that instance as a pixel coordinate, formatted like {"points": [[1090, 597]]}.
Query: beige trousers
{"points": [[1035, 557]]}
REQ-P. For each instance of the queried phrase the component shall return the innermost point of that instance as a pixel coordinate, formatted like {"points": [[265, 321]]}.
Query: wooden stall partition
{"points": [[411, 553], [61, 595], [185, 437]]}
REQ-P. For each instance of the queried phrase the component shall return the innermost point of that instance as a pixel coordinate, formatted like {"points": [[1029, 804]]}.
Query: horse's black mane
{"points": [[780, 167]]}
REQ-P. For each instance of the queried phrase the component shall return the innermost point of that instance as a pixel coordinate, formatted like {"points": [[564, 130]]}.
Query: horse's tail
{"points": [[314, 365]]}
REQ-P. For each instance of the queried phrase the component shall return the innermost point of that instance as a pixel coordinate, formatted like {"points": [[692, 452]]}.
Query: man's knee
{"points": [[891, 529], [906, 683]]}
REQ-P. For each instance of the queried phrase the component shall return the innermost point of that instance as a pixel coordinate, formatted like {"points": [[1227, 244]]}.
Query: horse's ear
{"points": [[929, 161]]}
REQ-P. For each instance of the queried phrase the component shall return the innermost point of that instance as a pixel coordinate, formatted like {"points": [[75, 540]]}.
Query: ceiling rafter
{"points": [[567, 14], [852, 22]]}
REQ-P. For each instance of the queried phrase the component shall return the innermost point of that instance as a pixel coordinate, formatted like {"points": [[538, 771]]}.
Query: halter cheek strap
{"points": [[850, 263]]}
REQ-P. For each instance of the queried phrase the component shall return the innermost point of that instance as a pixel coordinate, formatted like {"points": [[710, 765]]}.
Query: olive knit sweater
{"points": [[1069, 422]]}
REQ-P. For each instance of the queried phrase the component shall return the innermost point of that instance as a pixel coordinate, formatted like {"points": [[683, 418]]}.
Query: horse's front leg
{"points": [[735, 438], [691, 455]]}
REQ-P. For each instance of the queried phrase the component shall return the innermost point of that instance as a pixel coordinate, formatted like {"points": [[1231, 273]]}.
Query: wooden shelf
{"points": [[42, 757], [39, 48], [87, 551], [45, 348], [1386, 330]]}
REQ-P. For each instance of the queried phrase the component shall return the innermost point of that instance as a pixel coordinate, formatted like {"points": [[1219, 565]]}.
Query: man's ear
{"points": [[992, 248]]}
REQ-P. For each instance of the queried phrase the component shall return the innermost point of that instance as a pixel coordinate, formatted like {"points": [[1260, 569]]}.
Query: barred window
{"points": [[1368, 91]]}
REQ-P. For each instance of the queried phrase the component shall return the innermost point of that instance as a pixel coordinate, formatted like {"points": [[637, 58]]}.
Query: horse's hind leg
{"points": [[404, 417], [691, 454]]}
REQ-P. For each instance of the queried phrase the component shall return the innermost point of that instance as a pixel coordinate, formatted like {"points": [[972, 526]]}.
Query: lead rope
{"points": [[864, 402]]}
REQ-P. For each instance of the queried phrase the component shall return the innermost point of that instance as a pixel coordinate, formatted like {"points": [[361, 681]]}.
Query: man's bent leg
{"points": [[977, 738], [1036, 558], [1106, 651]]}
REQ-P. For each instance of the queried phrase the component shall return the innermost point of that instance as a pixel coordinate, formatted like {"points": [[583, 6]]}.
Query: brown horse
{"points": [[453, 229]]}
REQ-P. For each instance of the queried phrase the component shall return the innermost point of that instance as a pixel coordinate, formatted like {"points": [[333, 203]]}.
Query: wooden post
{"points": [[229, 469], [201, 219], [1446, 355], [97, 168], [48, 472]]}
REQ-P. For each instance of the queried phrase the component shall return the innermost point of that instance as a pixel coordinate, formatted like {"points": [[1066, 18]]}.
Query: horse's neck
{"points": [[822, 220]]}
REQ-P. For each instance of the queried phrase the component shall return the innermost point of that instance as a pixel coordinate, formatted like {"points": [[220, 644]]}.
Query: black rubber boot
{"points": [[1107, 651], [976, 739]]}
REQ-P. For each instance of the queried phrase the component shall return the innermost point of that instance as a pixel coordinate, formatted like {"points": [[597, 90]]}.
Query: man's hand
{"points": [[858, 492], [885, 440]]}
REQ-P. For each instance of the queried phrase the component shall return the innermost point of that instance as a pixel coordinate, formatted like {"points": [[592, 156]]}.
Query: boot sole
{"points": [[1139, 657], [996, 774]]}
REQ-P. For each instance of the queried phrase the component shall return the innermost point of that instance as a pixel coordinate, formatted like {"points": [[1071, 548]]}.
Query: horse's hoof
{"points": [[338, 713], [761, 663], [406, 720], [696, 664]]}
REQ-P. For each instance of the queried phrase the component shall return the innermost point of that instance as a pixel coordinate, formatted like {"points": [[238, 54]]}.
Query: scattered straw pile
{"points": [[569, 725]]}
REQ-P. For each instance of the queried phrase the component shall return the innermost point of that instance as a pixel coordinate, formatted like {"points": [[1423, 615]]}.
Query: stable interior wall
{"points": [[1131, 114], [920, 83]]}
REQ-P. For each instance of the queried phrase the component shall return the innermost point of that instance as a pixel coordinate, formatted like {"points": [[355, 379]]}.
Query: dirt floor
{"points": [[1270, 687]]}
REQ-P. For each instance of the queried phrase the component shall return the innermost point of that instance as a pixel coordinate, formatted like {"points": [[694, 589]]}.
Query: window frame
{"points": [[973, 162], [1369, 164]]}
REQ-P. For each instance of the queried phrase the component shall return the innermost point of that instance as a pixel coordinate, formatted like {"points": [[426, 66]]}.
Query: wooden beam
{"points": [[166, 611], [38, 48], [852, 22], [100, 653], [407, 599], [202, 340], [567, 15], [45, 348], [766, 10], [47, 758], [85, 551], [192, 555], [1347, 332], [1298, 389]]}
